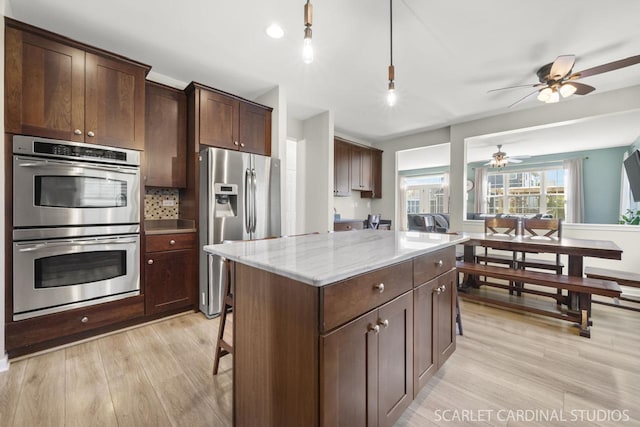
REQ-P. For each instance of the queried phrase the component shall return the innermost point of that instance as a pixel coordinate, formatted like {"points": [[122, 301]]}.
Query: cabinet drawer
{"points": [[170, 242], [53, 326], [433, 264], [353, 297], [347, 226]]}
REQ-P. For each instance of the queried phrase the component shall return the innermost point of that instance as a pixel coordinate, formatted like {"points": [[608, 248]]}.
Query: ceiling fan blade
{"points": [[604, 68], [523, 98], [514, 87], [582, 89], [488, 163], [512, 160], [562, 66]]}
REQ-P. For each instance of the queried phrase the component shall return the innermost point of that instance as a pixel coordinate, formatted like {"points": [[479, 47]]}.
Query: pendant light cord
{"points": [[391, 31]]}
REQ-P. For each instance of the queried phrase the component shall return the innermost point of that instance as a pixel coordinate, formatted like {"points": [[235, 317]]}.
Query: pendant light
{"points": [[391, 93], [307, 48]]}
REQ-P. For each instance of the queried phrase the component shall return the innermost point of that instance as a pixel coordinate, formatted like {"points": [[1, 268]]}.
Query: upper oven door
{"points": [[57, 192]]}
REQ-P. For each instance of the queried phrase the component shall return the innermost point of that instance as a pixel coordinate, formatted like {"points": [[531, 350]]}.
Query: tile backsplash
{"points": [[161, 203]]}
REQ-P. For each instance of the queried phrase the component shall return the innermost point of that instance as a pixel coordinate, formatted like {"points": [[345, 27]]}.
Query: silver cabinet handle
{"points": [[90, 133], [235, 143], [172, 242], [150, 262], [439, 263], [85, 319], [379, 287], [242, 144], [77, 132], [384, 323], [441, 289], [373, 328]]}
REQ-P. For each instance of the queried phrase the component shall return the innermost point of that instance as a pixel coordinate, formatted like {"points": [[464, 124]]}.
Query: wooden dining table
{"points": [[576, 250]]}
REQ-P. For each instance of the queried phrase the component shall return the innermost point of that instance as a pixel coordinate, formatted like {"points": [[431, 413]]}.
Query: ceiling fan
{"points": [[556, 79], [500, 159]]}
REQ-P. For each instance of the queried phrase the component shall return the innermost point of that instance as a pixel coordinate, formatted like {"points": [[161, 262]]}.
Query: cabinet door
{"points": [[348, 374], [255, 129], [395, 359], [44, 87], [356, 168], [341, 168], [165, 137], [425, 362], [170, 280], [376, 176], [446, 314], [219, 116], [365, 170], [114, 103]]}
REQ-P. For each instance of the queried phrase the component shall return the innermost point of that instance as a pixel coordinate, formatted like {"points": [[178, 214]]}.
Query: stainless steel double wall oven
{"points": [[76, 225]]}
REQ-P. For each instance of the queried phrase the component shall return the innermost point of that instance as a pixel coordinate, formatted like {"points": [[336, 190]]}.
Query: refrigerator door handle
{"points": [[247, 201], [254, 190]]}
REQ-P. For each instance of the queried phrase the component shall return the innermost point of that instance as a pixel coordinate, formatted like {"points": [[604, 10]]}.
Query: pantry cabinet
{"points": [[356, 168], [61, 89]]}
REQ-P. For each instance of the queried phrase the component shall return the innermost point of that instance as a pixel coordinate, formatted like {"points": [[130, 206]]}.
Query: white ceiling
{"points": [[447, 54]]}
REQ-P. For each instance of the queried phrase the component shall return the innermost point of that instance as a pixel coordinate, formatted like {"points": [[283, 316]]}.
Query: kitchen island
{"points": [[338, 328]]}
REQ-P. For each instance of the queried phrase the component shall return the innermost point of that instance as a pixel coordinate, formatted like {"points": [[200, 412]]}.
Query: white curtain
{"points": [[625, 201], [402, 193], [574, 191], [480, 201], [445, 185]]}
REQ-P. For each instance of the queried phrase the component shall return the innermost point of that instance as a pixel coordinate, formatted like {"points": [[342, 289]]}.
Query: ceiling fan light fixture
{"points": [[553, 98], [544, 94], [307, 47], [567, 89]]}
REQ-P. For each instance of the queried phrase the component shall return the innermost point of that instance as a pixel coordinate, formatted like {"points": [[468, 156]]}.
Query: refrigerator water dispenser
{"points": [[226, 203]]}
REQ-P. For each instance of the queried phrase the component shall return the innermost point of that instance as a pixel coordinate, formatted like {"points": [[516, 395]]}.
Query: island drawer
{"points": [[170, 242], [353, 297], [433, 264]]}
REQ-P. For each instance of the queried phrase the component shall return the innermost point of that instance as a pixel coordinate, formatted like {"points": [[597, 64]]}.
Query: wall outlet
{"points": [[168, 202]]}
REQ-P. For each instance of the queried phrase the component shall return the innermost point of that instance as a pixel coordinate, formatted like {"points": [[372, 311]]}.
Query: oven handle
{"points": [[38, 246], [54, 164]]}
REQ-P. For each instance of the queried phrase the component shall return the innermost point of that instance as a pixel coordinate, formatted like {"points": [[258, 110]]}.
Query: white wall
{"points": [[4, 361], [276, 99], [352, 207], [295, 129], [318, 162]]}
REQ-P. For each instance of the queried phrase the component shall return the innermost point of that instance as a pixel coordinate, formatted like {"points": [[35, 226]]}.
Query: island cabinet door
{"points": [[446, 300], [367, 367], [434, 326], [395, 359]]}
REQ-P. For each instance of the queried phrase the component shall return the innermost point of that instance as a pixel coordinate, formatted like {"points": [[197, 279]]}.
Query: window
{"points": [[426, 194], [527, 192]]}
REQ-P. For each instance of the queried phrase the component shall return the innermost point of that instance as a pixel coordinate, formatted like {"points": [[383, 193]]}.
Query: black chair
{"points": [[373, 221], [421, 222]]}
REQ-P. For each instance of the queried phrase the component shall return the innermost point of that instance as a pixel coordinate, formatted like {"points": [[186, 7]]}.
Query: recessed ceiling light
{"points": [[274, 31]]}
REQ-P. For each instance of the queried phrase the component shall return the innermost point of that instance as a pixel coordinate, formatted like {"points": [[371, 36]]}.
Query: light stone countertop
{"points": [[321, 259]]}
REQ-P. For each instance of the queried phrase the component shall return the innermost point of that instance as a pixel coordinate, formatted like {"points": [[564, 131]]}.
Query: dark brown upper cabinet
{"points": [[227, 121], [58, 88], [165, 147], [341, 168]]}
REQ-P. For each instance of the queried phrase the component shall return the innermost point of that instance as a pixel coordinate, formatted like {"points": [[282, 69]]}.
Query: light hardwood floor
{"points": [[505, 365]]}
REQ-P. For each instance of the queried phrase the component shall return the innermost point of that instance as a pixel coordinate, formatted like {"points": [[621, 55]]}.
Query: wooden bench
{"points": [[623, 278], [578, 300]]}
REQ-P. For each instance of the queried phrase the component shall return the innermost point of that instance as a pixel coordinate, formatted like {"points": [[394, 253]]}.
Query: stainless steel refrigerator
{"points": [[239, 200]]}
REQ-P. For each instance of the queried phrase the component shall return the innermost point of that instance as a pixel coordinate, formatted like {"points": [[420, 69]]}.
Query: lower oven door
{"points": [[55, 275]]}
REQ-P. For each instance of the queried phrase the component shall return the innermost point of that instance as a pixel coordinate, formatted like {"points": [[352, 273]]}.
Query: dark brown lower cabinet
{"points": [[434, 326], [170, 275], [367, 367]]}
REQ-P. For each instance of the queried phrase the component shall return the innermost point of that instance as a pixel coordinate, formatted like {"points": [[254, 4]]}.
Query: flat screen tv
{"points": [[632, 165]]}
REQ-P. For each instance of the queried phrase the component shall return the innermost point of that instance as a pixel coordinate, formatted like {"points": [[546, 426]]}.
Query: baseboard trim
{"points": [[4, 363]]}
